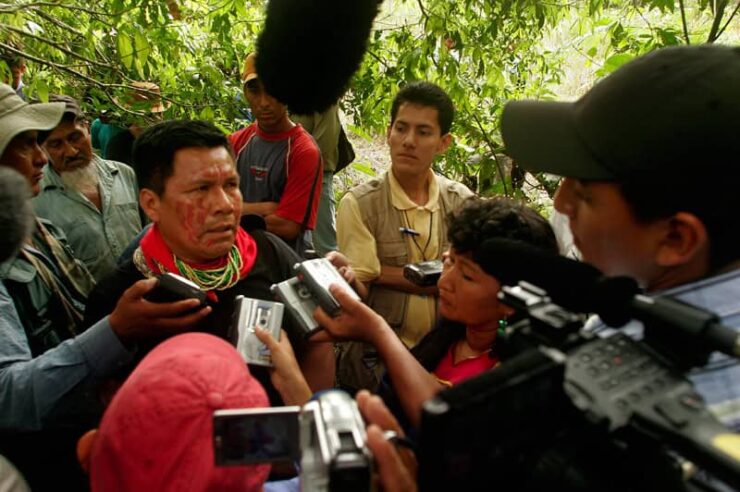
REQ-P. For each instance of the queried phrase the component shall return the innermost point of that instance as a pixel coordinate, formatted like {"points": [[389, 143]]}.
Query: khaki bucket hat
{"points": [[17, 116]]}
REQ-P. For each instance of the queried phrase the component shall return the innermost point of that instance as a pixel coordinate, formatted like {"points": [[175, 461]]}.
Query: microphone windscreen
{"points": [[569, 283], [309, 49], [16, 215]]}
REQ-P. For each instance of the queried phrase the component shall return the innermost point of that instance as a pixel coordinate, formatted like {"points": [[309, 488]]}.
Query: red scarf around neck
{"points": [[160, 259]]}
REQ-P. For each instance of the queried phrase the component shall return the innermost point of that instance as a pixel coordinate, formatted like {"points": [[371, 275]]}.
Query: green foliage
{"points": [[482, 52], [485, 53], [95, 50]]}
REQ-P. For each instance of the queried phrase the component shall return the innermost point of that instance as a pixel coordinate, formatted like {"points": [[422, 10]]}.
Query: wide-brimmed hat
{"points": [[666, 112], [18, 116], [145, 97]]}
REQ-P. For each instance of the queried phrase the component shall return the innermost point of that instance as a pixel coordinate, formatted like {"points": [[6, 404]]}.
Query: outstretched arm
{"points": [[286, 375], [356, 321]]}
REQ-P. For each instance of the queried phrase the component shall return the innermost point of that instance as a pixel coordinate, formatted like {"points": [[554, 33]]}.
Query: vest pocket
{"points": [[393, 252]]}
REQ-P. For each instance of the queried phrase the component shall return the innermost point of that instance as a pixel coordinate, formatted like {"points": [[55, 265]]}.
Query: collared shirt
{"points": [[97, 237], [357, 243], [32, 389], [718, 382]]}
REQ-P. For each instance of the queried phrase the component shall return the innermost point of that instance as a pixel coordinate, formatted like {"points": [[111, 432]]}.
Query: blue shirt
{"points": [[32, 389], [718, 382]]}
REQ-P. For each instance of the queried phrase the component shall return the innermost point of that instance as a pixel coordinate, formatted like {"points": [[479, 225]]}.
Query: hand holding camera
{"points": [[286, 374], [355, 321], [250, 316], [310, 289], [341, 263], [396, 467], [135, 317], [328, 436]]}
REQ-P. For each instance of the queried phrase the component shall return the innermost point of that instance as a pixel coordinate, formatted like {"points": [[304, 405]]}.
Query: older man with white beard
{"points": [[94, 201]]}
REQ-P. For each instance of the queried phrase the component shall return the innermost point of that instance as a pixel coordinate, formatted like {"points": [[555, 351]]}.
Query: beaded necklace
{"points": [[217, 278]]}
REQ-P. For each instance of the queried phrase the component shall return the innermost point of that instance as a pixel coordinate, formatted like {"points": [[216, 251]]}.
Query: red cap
{"points": [[157, 433]]}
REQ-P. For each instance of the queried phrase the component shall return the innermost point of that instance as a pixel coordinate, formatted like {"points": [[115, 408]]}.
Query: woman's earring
{"points": [[502, 324]]}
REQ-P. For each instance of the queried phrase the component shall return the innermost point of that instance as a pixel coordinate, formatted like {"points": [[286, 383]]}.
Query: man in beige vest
{"points": [[399, 218]]}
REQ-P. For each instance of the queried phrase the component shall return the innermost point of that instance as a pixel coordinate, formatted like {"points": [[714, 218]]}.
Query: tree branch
{"points": [[719, 12], [55, 21], [51, 64], [34, 5], [90, 80], [423, 10], [683, 22], [378, 59], [57, 46], [732, 15], [492, 148]]}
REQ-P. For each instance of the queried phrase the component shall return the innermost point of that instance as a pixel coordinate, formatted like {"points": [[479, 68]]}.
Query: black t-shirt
{"points": [[274, 263]]}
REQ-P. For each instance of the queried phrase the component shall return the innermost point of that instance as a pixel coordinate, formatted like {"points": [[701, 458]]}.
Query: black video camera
{"points": [[424, 274], [572, 411]]}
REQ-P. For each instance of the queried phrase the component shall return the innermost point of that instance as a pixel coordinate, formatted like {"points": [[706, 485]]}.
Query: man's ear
{"points": [[445, 143], [685, 241], [388, 134], [149, 202]]}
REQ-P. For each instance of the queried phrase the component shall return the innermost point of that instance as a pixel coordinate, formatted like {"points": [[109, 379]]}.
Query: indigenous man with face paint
{"points": [[651, 160], [279, 164], [49, 369], [189, 188], [94, 201]]}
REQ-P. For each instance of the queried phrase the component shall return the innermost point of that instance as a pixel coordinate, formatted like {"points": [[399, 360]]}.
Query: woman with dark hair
{"points": [[463, 344]]}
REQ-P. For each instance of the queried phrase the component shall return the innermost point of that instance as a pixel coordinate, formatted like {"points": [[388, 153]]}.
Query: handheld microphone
{"points": [[309, 49], [580, 287]]}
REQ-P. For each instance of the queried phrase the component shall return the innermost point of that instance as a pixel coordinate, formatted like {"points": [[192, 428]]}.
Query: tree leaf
{"points": [[142, 47], [615, 61], [125, 49], [365, 168]]}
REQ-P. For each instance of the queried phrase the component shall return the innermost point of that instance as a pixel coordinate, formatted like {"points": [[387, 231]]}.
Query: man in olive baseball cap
{"points": [[651, 163]]}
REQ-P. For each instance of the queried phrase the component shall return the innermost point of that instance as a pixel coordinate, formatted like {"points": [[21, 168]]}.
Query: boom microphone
{"points": [[568, 283], [309, 49], [16, 215], [582, 288]]}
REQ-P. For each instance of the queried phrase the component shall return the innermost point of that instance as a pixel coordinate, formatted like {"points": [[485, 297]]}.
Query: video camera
{"points": [[568, 410], [424, 274], [327, 437]]}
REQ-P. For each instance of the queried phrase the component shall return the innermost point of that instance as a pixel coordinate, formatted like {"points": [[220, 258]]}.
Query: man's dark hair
{"points": [[154, 151], [479, 219], [426, 94], [710, 196]]}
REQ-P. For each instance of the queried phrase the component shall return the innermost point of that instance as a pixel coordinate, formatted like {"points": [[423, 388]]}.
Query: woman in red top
{"points": [[462, 344]]}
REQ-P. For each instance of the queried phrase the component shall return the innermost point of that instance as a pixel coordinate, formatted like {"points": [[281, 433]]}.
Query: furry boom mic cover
{"points": [[309, 49]]}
